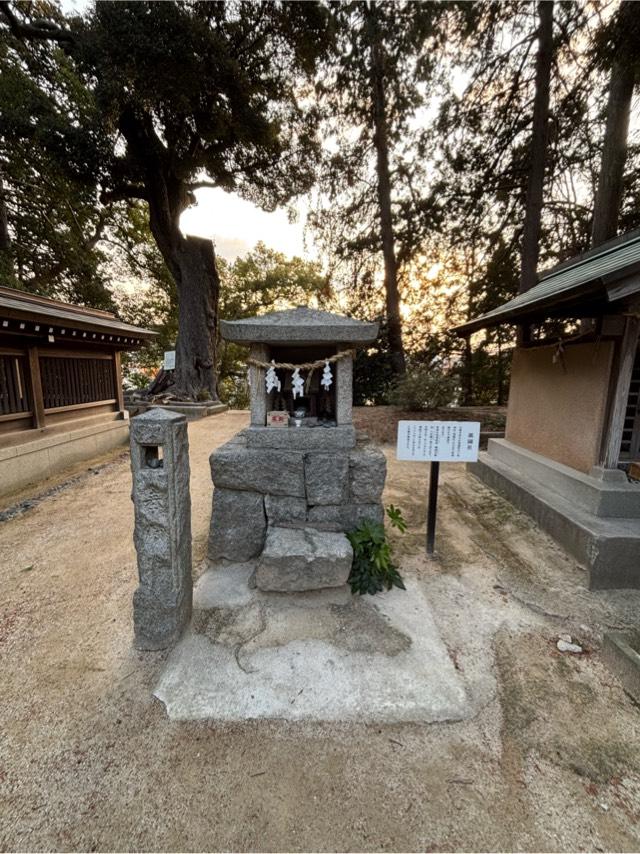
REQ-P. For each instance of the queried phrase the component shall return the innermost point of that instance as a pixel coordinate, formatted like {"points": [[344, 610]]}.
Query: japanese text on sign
{"points": [[438, 441]]}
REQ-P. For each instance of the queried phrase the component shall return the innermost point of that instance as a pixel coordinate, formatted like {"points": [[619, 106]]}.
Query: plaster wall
{"points": [[559, 409]]}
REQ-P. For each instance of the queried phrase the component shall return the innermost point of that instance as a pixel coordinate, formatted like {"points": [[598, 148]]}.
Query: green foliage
{"points": [[153, 304], [151, 101], [373, 569], [49, 164], [213, 88], [373, 375], [396, 518], [424, 388], [233, 389]]}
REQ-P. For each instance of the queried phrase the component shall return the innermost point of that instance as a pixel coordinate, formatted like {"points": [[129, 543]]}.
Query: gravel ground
{"points": [[88, 760]]}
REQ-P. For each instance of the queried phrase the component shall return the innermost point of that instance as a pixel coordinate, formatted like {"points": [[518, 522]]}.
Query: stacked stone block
{"points": [[330, 487]]}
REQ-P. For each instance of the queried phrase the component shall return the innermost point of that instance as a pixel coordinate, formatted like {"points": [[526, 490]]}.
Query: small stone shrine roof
{"points": [[299, 326]]}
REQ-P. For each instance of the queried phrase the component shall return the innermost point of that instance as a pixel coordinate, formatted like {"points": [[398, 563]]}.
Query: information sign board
{"points": [[438, 441]]}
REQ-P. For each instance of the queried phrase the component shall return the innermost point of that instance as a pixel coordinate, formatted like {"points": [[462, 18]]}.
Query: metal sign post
{"points": [[436, 442], [432, 506]]}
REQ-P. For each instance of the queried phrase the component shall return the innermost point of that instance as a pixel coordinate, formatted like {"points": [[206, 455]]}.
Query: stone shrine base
{"points": [[290, 495], [318, 656]]}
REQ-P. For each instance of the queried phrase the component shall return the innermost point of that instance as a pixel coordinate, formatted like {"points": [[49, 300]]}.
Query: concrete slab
{"points": [[317, 656]]}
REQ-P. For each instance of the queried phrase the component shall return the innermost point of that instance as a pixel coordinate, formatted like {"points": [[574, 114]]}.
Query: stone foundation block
{"points": [[343, 517], [367, 473], [326, 478], [272, 472], [238, 525], [341, 438], [303, 559], [283, 509]]}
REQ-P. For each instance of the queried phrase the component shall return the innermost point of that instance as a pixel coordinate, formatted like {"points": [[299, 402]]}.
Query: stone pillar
{"points": [[258, 394], [162, 535], [344, 390]]}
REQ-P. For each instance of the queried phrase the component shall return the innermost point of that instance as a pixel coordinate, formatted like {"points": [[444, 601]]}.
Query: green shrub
{"points": [[424, 388], [373, 569], [234, 392]]}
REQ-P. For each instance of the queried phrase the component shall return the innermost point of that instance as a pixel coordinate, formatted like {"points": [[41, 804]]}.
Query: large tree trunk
{"points": [[381, 143], [191, 261], [198, 292], [539, 137], [614, 153]]}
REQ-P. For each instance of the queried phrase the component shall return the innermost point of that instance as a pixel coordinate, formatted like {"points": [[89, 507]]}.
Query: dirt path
{"points": [[88, 760]]}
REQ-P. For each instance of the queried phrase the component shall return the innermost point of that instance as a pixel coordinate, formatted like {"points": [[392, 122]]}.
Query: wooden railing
{"points": [[40, 387], [14, 385], [70, 381]]}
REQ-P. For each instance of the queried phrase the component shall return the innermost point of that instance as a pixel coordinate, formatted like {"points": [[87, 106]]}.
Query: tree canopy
{"points": [[185, 95], [447, 148]]}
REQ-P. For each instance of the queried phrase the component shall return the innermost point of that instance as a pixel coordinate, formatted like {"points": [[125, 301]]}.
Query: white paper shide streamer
{"points": [[271, 379], [327, 379], [297, 384]]}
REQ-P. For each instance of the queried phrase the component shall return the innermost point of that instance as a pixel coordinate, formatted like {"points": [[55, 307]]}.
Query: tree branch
{"points": [[41, 29], [198, 185], [122, 192]]}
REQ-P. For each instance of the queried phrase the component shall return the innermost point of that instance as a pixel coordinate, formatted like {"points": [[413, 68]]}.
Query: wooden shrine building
{"points": [[61, 397], [572, 437]]}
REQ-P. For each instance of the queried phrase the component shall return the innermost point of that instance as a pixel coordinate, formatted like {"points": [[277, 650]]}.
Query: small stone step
{"points": [[303, 559]]}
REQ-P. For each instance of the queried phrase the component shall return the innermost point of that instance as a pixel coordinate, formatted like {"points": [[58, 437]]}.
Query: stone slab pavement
{"points": [[321, 656]]}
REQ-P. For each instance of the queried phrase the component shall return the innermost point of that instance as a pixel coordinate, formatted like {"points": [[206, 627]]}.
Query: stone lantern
{"points": [[289, 486]]}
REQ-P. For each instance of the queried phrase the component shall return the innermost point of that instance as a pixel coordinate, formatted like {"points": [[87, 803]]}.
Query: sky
{"points": [[236, 225]]}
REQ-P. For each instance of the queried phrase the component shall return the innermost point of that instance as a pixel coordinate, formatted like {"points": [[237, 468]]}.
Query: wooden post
{"points": [[36, 388], [628, 348], [117, 381]]}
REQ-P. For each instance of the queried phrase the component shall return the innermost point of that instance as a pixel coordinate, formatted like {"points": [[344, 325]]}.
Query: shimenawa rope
{"points": [[304, 366]]}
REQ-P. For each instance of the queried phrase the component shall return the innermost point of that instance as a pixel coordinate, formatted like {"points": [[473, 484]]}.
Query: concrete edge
{"points": [[596, 496], [62, 438], [612, 557], [33, 466], [623, 661]]}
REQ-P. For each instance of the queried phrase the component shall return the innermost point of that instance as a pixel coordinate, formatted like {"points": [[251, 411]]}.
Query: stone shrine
{"points": [[287, 494]]}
